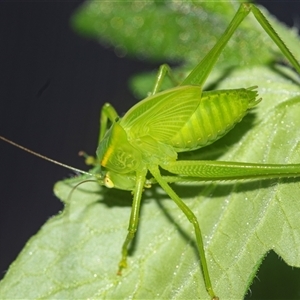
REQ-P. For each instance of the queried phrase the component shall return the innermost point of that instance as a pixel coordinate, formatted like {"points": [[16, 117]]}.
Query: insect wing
{"points": [[162, 115]]}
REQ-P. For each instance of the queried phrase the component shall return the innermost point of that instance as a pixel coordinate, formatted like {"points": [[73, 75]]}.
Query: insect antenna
{"points": [[77, 185], [45, 157]]}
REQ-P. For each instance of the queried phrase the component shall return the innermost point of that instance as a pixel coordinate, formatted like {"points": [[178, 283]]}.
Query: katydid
{"points": [[135, 147]]}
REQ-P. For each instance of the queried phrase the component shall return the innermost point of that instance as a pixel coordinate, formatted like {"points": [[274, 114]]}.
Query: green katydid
{"points": [[148, 137]]}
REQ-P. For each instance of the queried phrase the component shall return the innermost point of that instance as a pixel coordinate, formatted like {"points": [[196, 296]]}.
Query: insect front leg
{"points": [[108, 113], [134, 217], [193, 219]]}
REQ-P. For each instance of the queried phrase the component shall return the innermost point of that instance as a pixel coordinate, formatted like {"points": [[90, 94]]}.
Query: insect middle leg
{"points": [[161, 74], [193, 219]]}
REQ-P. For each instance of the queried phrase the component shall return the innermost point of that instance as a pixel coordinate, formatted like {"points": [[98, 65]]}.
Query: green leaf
{"points": [[75, 255], [177, 30]]}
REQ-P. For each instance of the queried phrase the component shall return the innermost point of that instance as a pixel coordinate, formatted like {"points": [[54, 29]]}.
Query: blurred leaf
{"points": [[177, 30]]}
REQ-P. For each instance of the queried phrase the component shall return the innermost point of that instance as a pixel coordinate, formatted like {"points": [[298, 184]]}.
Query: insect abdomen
{"points": [[216, 114]]}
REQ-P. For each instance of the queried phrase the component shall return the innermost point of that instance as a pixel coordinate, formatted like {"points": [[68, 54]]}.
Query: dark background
{"points": [[52, 86]]}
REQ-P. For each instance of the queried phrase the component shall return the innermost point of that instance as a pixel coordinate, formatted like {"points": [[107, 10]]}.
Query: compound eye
{"points": [[108, 183]]}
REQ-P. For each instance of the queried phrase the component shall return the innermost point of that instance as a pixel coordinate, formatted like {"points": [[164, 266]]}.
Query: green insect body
{"points": [[152, 133], [215, 115], [148, 138]]}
